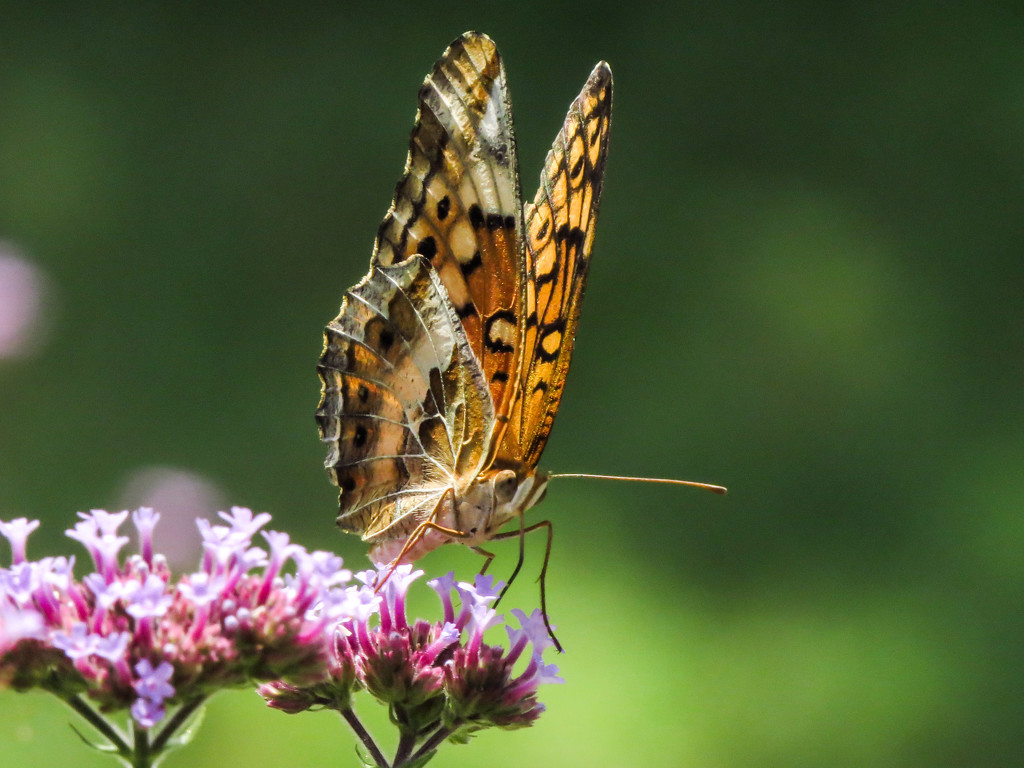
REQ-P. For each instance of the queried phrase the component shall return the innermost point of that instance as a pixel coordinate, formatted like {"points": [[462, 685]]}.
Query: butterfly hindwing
{"points": [[458, 203], [559, 237], [403, 402]]}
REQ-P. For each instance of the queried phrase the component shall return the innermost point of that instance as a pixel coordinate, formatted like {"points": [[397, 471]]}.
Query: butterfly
{"points": [[444, 369], [443, 372]]}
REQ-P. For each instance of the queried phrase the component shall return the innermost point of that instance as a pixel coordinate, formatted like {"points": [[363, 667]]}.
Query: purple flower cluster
{"points": [[127, 636], [440, 680]]}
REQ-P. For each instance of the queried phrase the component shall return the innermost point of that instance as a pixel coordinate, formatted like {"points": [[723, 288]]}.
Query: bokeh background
{"points": [[807, 285]]}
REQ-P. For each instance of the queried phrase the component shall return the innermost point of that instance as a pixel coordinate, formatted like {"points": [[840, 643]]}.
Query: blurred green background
{"points": [[807, 286]]}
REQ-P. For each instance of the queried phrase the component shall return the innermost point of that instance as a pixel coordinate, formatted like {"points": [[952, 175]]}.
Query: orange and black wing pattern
{"points": [[559, 238], [458, 203]]}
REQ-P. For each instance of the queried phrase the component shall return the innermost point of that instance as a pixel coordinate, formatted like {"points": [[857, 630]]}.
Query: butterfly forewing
{"points": [[458, 203], [559, 237]]}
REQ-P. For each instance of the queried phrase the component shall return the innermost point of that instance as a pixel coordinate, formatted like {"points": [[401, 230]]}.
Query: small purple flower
{"points": [[147, 713], [535, 630], [17, 624], [326, 568], [201, 588], [17, 532], [150, 600], [251, 557], [107, 522], [363, 603], [97, 533], [243, 522], [448, 635], [114, 647], [221, 546], [108, 594], [21, 582], [444, 586], [392, 613], [79, 643], [154, 682], [281, 549], [58, 572], [145, 520]]}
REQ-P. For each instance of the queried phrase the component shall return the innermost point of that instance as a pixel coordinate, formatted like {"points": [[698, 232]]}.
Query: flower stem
{"points": [[143, 757], [406, 742], [97, 721], [353, 720], [177, 720], [432, 743]]}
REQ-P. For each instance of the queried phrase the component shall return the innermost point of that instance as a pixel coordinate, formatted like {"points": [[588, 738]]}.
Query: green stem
{"points": [[97, 721], [177, 720], [432, 743], [143, 757], [406, 742], [360, 731]]}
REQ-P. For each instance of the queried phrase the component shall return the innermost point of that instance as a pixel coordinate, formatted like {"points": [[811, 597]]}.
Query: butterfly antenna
{"points": [[667, 481]]}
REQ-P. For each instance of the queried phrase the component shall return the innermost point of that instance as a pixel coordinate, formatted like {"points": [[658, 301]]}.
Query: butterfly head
{"points": [[493, 499]]}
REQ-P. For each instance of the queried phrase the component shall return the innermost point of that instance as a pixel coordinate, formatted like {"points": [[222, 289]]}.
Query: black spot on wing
{"points": [[386, 339], [573, 238], [436, 394], [572, 241], [548, 276], [555, 326], [444, 205], [471, 266], [502, 314], [497, 345], [492, 342], [427, 248]]}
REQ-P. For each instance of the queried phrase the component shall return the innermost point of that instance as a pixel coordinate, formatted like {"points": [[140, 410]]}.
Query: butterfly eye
{"points": [[505, 486]]}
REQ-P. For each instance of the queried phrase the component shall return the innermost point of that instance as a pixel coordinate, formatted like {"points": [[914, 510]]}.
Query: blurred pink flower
{"points": [[22, 292], [180, 495]]}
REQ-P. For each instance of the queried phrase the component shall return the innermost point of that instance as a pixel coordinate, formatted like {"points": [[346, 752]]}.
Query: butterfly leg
{"points": [[487, 562], [521, 533], [419, 532]]}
